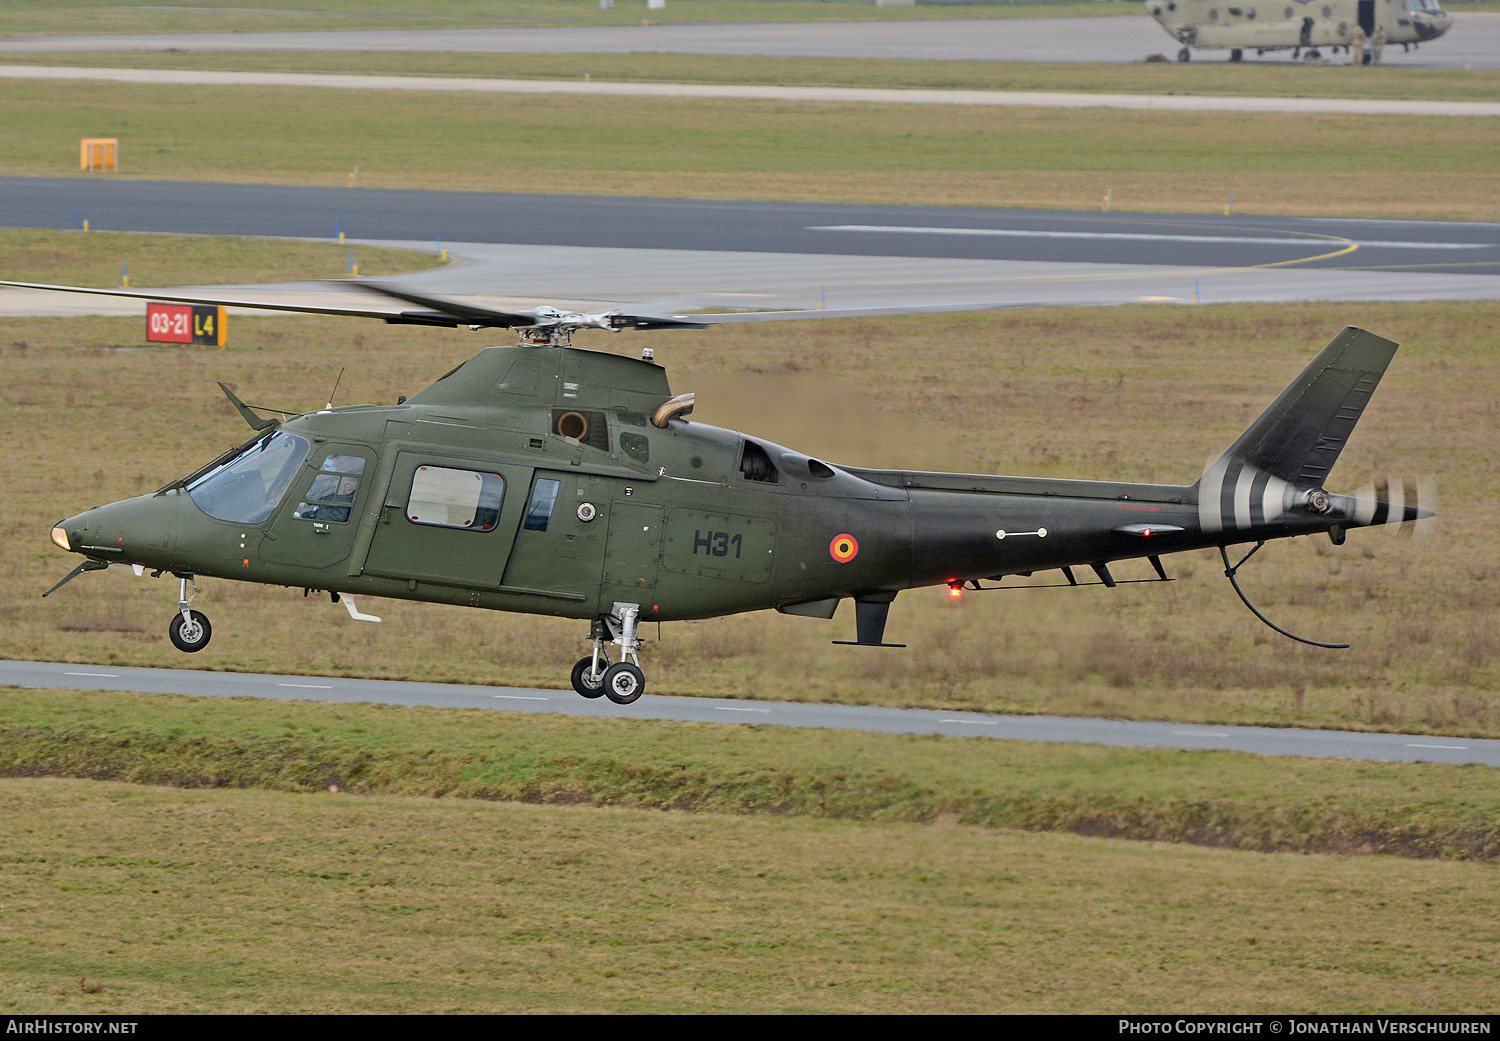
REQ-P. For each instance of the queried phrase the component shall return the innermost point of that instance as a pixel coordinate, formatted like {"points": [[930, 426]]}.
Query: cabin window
{"points": [[585, 426], [247, 488], [756, 465], [1250, 13], [331, 496], [451, 498], [539, 509], [1235, 11], [1213, 14]]}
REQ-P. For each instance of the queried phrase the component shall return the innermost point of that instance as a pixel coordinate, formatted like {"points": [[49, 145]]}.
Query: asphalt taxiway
{"points": [[1473, 42], [681, 254]]}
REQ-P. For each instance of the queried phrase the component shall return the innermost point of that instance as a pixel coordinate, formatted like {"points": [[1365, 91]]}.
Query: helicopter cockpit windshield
{"points": [[246, 487]]}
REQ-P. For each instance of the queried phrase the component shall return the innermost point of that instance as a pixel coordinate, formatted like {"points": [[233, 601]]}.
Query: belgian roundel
{"points": [[843, 548]]}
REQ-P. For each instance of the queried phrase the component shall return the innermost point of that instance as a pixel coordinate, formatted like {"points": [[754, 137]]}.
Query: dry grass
{"points": [[101, 258], [125, 900], [1137, 393]]}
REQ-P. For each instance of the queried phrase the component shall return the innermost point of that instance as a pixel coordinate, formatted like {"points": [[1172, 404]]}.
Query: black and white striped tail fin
{"points": [[1290, 449]]}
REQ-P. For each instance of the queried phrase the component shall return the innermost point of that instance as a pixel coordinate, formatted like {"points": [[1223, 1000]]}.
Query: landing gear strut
{"points": [[593, 675], [189, 630]]}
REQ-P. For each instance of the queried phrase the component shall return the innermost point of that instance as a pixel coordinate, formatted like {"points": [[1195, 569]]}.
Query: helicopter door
{"points": [[448, 520], [633, 554], [1367, 17], [316, 528]]}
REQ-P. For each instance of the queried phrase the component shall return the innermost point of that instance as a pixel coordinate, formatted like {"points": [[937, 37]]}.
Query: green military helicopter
{"points": [[545, 479]]}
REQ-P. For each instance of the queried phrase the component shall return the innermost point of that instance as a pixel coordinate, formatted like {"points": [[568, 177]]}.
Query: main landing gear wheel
{"points": [[191, 633], [1184, 55], [586, 681], [624, 683]]}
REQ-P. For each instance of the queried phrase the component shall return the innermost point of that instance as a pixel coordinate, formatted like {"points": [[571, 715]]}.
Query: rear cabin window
{"points": [[539, 509], [451, 498]]}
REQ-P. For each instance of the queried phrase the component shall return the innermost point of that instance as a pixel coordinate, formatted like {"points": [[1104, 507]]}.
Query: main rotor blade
{"points": [[465, 314], [524, 319], [394, 317]]}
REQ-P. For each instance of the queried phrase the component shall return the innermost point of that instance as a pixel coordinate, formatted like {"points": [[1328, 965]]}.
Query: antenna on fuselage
{"points": [[335, 389]]}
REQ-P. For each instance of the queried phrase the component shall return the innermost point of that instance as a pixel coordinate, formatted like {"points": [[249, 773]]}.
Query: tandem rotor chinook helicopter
{"points": [[544, 479], [1300, 26]]}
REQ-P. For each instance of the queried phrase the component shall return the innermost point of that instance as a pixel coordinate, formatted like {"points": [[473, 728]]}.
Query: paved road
{"points": [[1474, 41], [1335, 744], [860, 95]]}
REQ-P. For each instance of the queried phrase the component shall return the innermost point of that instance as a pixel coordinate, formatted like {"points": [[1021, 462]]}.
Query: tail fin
{"points": [[1297, 440]]}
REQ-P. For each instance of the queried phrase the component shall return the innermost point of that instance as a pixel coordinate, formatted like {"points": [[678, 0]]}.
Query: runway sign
{"points": [[98, 153], [185, 323]]}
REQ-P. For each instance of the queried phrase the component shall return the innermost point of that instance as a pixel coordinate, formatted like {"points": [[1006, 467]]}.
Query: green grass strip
{"points": [[1207, 798]]}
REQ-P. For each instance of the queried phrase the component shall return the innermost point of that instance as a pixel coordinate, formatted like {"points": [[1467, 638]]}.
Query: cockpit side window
{"points": [[756, 465], [247, 488], [331, 496]]}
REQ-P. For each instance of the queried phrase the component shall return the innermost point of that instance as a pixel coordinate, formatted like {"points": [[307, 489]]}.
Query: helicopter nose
{"points": [[128, 531]]}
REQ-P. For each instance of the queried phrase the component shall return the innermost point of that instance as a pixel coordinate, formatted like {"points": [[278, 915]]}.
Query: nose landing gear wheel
{"points": [[624, 683], [191, 633], [587, 682]]}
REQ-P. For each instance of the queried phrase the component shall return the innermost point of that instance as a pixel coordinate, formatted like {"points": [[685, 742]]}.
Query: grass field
{"points": [[1143, 393], [122, 899], [1285, 163], [95, 259], [1217, 799], [1273, 79], [137, 16]]}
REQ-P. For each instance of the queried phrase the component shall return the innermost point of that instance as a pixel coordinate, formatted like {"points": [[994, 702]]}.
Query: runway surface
{"points": [[677, 254], [1335, 744], [1473, 42]]}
